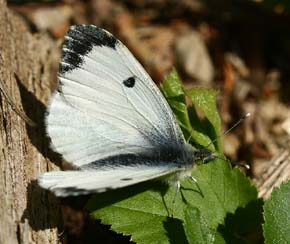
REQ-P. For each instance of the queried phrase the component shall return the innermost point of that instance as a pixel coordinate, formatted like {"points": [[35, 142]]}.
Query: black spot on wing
{"points": [[130, 82], [126, 179], [79, 41]]}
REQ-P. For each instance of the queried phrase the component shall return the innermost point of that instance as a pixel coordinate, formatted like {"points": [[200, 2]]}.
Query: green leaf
{"points": [[172, 86], [144, 211], [222, 208], [205, 100], [173, 92], [197, 230], [277, 216], [187, 119], [144, 214], [224, 189], [198, 134]]}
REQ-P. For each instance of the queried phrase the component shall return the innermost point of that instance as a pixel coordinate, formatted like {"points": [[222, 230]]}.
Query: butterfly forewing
{"points": [[106, 104]]}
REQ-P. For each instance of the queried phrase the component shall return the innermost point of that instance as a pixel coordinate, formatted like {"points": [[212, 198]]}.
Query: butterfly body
{"points": [[109, 120]]}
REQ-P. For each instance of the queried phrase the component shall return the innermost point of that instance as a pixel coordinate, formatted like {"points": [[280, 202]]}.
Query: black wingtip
{"points": [[92, 34], [79, 41]]}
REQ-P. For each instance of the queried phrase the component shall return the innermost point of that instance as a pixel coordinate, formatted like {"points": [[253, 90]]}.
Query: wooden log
{"points": [[28, 214]]}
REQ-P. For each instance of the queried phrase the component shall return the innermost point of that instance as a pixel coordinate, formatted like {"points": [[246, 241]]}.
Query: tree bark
{"points": [[28, 214]]}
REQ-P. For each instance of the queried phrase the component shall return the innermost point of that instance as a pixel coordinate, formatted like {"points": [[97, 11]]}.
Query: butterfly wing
{"points": [[78, 182], [109, 119], [107, 105]]}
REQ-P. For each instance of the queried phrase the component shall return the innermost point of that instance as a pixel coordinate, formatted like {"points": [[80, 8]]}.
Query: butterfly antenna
{"points": [[227, 131], [244, 165]]}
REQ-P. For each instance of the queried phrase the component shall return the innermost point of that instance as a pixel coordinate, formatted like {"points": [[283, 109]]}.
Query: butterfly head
{"points": [[204, 155]]}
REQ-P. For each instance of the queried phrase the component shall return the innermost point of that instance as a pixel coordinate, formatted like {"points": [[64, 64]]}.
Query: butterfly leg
{"points": [[177, 190], [197, 185]]}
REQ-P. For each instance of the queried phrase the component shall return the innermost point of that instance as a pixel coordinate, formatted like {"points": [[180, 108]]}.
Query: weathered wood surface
{"points": [[275, 174], [27, 71]]}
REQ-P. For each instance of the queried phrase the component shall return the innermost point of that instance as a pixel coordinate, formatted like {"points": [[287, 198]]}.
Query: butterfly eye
{"points": [[130, 82]]}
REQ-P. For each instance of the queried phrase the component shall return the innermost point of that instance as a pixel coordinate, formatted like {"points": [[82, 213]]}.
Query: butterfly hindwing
{"points": [[88, 180]]}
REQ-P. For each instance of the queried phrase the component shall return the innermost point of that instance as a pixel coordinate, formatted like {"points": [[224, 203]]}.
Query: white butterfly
{"points": [[110, 120]]}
